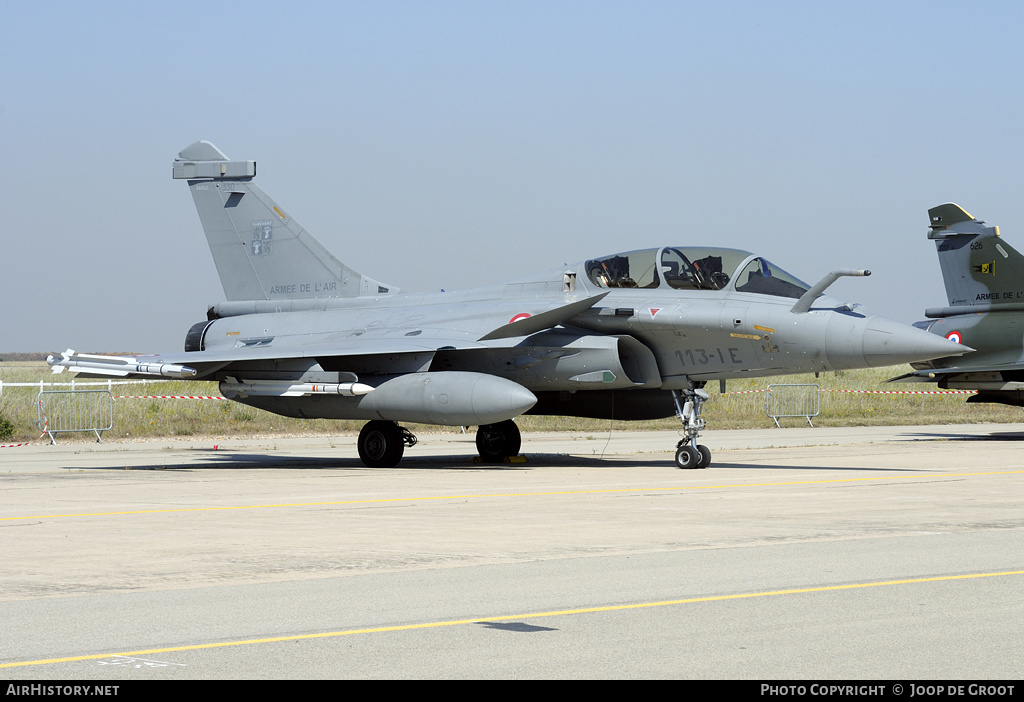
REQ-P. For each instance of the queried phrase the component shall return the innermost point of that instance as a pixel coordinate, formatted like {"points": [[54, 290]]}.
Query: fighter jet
{"points": [[984, 279], [630, 336]]}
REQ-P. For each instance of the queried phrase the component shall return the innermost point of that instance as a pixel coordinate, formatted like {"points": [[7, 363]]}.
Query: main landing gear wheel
{"points": [[496, 442], [382, 444]]}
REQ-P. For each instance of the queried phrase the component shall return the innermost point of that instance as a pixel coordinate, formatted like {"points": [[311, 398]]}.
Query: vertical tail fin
{"points": [[979, 269], [260, 251]]}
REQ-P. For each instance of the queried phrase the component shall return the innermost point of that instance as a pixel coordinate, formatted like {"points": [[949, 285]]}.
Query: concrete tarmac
{"points": [[809, 553]]}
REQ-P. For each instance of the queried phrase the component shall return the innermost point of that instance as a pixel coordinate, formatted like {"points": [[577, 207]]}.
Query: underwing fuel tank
{"points": [[452, 398], [449, 398]]}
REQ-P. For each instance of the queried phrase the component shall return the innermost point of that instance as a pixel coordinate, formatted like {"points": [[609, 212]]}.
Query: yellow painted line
{"points": [[383, 500], [512, 617]]}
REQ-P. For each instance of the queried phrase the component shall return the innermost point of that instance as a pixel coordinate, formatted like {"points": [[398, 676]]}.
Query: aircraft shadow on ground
{"points": [[954, 436], [229, 460], [207, 459]]}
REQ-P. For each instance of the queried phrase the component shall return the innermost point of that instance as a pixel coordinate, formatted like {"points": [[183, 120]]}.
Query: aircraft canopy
{"points": [[694, 268]]}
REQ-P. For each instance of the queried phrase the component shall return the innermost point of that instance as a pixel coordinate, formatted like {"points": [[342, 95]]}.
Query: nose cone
{"points": [[875, 341]]}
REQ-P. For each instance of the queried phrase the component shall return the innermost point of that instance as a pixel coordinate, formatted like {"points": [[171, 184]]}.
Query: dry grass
{"points": [[138, 418]]}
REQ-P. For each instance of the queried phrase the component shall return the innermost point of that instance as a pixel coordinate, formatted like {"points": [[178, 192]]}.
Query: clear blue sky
{"points": [[453, 144]]}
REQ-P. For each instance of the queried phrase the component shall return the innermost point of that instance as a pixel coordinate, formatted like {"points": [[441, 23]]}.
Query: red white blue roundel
{"points": [[954, 336]]}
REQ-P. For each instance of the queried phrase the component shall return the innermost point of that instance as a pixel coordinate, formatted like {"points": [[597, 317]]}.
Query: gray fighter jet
{"points": [[630, 336], [984, 279]]}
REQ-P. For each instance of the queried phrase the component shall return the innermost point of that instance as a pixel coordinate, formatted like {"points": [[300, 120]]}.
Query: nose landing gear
{"points": [[690, 410]]}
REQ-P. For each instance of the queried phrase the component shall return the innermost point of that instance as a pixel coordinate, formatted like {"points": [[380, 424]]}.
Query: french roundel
{"points": [[954, 336]]}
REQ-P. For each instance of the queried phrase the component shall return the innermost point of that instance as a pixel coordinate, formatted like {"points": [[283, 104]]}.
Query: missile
{"points": [[278, 388], [116, 365]]}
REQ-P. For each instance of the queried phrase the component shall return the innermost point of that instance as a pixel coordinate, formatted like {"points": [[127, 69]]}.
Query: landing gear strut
{"points": [[496, 442], [690, 410], [381, 444]]}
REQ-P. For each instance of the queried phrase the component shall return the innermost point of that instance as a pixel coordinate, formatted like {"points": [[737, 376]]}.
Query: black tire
{"points": [[687, 457], [705, 456], [496, 442], [381, 444]]}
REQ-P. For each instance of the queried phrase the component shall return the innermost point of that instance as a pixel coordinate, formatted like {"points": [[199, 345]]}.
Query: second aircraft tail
{"points": [[979, 269], [260, 251]]}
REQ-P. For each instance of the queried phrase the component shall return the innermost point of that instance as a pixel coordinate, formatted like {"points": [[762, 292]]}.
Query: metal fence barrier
{"points": [[75, 410], [792, 400], [109, 384]]}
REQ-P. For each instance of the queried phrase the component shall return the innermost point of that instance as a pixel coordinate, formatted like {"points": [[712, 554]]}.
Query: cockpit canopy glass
{"points": [[694, 268], [634, 269], [765, 278]]}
